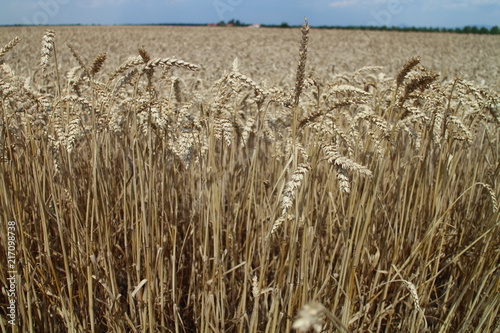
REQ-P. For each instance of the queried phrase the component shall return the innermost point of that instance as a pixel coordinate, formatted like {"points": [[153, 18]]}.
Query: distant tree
{"points": [[284, 25], [483, 30], [474, 30], [221, 24], [236, 23], [495, 30]]}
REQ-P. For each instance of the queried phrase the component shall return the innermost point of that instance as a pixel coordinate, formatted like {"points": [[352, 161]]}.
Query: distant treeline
{"points": [[468, 29], [465, 30]]}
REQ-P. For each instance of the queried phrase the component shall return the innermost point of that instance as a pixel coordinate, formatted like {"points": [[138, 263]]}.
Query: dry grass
{"points": [[155, 194]]}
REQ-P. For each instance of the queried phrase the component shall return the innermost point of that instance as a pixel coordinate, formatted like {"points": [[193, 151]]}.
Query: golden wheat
{"points": [[10, 45], [47, 47], [151, 194]]}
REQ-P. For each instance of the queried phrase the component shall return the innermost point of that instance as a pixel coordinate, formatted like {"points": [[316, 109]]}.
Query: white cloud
{"points": [[20, 5], [458, 4], [99, 3], [351, 3], [486, 2], [452, 4], [344, 3]]}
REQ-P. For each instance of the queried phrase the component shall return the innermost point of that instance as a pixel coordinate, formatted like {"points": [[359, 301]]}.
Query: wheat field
{"points": [[196, 179]]}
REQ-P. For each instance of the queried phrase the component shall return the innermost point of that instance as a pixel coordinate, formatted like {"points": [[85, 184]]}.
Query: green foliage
{"points": [[236, 23]]}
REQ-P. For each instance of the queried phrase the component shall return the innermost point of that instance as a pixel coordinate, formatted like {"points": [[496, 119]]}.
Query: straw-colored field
{"points": [[266, 54], [272, 180]]}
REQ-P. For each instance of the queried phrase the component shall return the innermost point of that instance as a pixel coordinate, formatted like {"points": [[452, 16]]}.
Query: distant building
{"points": [[256, 25]]}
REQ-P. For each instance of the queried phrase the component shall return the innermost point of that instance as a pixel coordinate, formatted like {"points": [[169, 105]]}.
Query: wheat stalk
{"points": [[169, 192]]}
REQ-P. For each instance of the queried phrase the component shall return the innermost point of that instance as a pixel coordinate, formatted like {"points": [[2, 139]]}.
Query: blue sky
{"points": [[446, 13]]}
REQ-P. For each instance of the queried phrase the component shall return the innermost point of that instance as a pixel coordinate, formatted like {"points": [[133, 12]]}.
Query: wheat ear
{"points": [[293, 185], [421, 82], [79, 59], [146, 58], [312, 315], [47, 47], [97, 63], [129, 63], [168, 62], [301, 68], [9, 46], [493, 197], [408, 66]]}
